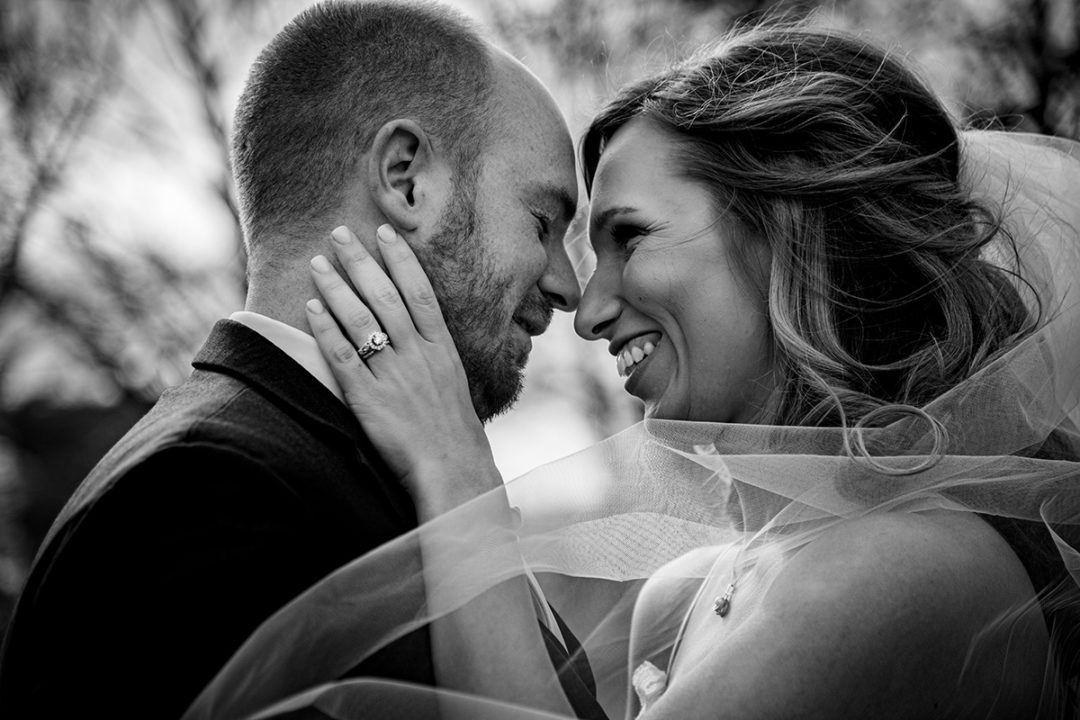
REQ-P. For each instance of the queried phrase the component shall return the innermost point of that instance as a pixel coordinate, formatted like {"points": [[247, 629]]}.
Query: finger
{"points": [[351, 373], [376, 288], [413, 284], [353, 314]]}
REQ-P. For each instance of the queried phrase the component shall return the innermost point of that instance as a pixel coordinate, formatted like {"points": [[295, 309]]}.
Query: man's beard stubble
{"points": [[470, 294]]}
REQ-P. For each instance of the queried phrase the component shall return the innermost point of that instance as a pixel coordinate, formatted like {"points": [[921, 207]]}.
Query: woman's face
{"points": [[689, 332]]}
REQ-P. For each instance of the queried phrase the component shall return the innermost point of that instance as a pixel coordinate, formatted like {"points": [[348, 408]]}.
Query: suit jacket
{"points": [[238, 490]]}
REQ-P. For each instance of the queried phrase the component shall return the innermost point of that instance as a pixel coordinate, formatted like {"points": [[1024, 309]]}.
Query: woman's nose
{"points": [[598, 309]]}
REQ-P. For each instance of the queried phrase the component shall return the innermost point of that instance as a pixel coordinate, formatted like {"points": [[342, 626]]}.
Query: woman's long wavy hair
{"points": [[835, 155]]}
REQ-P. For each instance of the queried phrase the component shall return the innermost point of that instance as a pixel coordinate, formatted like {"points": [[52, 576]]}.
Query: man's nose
{"points": [[559, 284]]}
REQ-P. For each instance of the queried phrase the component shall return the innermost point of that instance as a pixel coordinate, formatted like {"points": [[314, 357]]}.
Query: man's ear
{"points": [[404, 175]]}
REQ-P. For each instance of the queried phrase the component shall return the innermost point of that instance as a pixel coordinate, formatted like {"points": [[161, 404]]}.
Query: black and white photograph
{"points": [[540, 359]]}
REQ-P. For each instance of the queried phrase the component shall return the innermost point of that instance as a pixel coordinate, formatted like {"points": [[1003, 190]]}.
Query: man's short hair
{"points": [[322, 88]]}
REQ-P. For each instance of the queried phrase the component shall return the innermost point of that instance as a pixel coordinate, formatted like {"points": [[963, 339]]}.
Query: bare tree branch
{"points": [[190, 19], [47, 133]]}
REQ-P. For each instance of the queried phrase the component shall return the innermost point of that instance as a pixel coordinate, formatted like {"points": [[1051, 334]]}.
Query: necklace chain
{"points": [[721, 604]]}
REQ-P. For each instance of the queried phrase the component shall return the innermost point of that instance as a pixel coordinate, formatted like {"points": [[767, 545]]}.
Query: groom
{"points": [[252, 480]]}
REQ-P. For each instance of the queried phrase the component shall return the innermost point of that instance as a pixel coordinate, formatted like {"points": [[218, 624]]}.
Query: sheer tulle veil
{"points": [[1004, 444]]}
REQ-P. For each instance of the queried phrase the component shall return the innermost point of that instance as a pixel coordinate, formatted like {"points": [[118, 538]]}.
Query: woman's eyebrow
{"points": [[604, 217]]}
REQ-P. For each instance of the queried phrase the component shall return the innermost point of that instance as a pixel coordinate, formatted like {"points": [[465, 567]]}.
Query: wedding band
{"points": [[375, 342]]}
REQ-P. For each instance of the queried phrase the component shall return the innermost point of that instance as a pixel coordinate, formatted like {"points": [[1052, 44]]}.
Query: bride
{"points": [[856, 334]]}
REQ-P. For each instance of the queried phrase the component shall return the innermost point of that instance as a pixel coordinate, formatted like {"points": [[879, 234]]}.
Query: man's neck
{"points": [[281, 301]]}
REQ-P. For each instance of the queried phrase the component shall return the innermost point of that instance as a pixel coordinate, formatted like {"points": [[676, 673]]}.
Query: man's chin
{"points": [[498, 394]]}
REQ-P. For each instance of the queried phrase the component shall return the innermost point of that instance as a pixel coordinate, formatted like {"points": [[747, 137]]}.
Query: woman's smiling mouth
{"points": [[635, 352]]}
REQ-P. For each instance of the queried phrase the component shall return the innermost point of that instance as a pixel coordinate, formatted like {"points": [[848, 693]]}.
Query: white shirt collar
{"points": [[297, 344]]}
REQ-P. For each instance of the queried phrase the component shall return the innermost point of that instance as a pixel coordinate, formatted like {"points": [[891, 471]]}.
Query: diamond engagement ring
{"points": [[375, 342]]}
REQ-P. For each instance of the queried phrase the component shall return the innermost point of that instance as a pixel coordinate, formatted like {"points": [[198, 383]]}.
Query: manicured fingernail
{"points": [[386, 233], [316, 307], [341, 235], [320, 264]]}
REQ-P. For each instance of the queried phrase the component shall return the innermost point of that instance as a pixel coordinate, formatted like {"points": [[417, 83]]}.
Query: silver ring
{"points": [[375, 342]]}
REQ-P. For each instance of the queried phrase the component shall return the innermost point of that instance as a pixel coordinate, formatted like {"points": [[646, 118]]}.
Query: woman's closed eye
{"points": [[627, 235]]}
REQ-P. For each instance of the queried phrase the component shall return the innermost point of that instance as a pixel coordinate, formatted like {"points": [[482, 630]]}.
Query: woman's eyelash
{"points": [[624, 233]]}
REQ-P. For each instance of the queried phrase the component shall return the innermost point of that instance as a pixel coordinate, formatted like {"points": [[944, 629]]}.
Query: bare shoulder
{"points": [[890, 615], [945, 560], [933, 607]]}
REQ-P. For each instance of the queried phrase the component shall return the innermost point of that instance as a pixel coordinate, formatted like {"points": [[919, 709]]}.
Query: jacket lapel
{"points": [[575, 675]]}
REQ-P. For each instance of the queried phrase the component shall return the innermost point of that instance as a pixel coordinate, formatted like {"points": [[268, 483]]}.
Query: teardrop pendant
{"points": [[722, 603]]}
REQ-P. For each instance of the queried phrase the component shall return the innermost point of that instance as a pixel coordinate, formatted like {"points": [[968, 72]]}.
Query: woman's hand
{"points": [[411, 397]]}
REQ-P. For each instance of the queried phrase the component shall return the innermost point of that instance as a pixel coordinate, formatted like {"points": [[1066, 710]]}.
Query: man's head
{"points": [[319, 92], [364, 113]]}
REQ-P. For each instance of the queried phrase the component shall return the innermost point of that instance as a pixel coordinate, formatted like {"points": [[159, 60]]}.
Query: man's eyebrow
{"points": [[564, 204]]}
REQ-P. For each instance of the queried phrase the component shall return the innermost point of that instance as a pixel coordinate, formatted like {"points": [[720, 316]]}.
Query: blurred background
{"points": [[119, 245]]}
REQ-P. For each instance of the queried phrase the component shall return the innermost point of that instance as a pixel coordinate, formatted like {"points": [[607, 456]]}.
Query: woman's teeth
{"points": [[628, 359]]}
